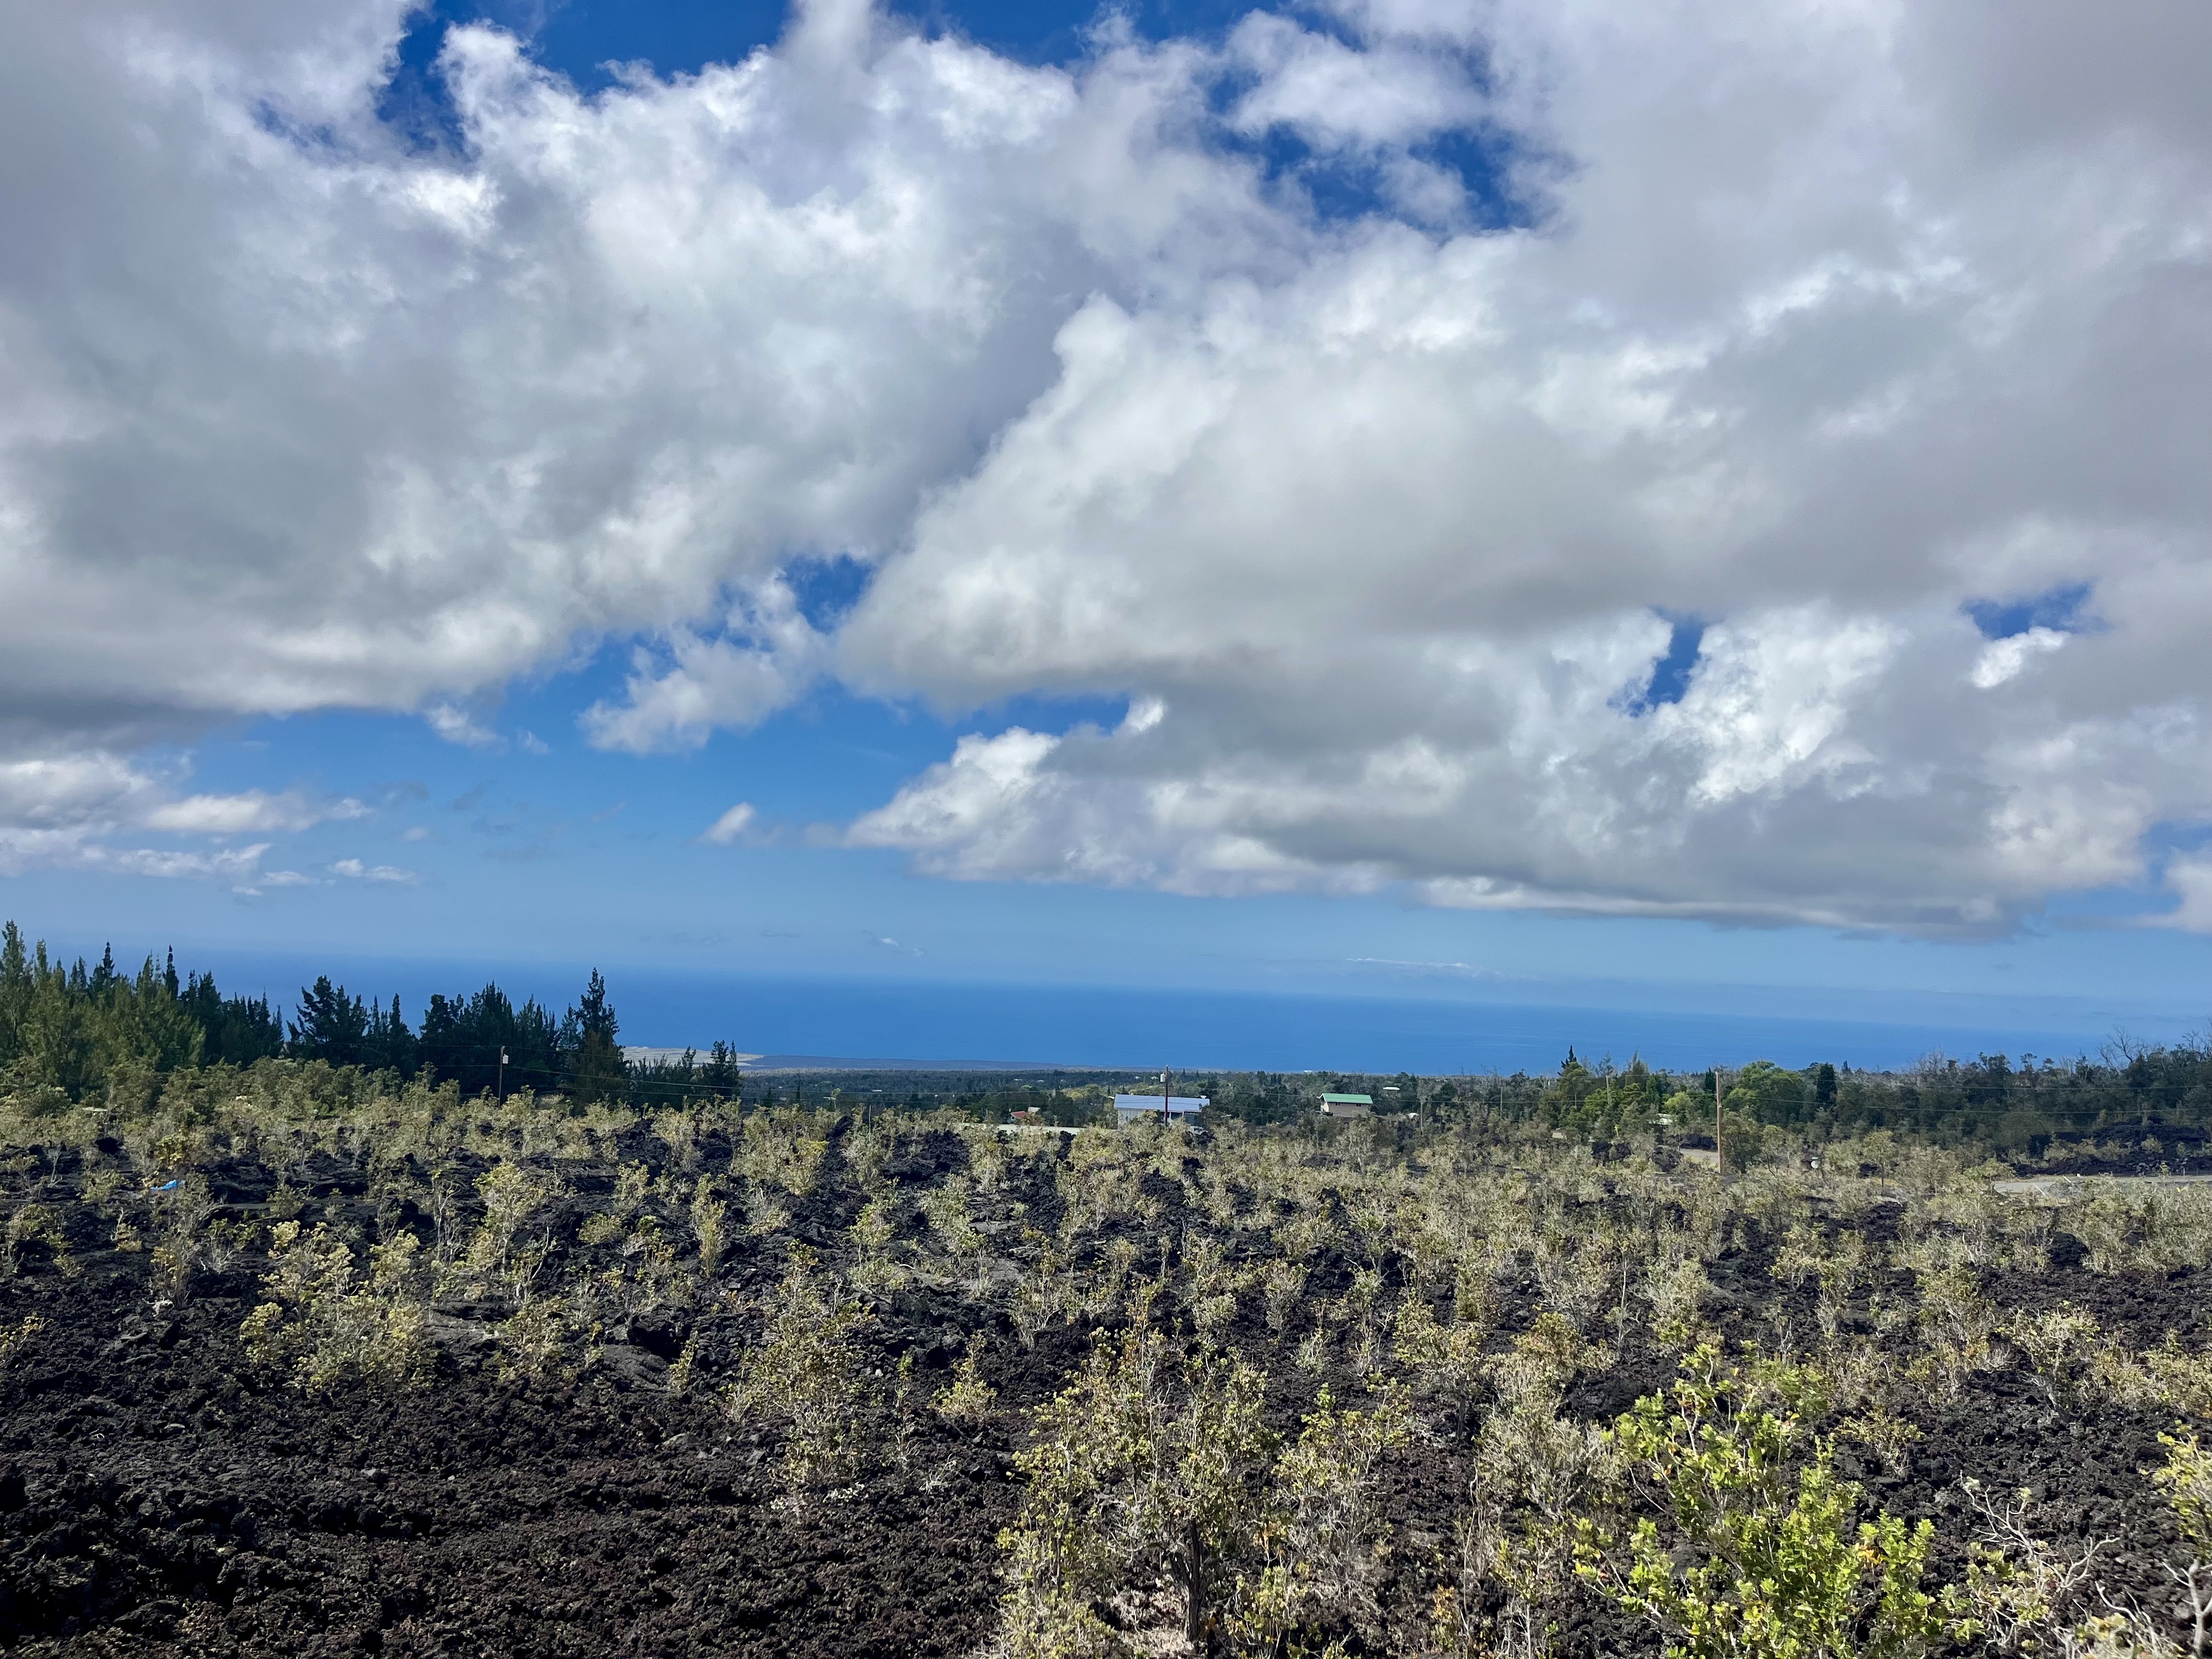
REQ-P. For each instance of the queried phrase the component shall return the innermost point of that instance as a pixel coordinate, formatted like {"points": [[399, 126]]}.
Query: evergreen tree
{"points": [[721, 1075], [329, 1026], [71, 1030], [1562, 1103], [388, 1045], [596, 1070], [60, 1036], [239, 1030], [463, 1036], [594, 1015], [147, 1026], [666, 1083], [16, 991]]}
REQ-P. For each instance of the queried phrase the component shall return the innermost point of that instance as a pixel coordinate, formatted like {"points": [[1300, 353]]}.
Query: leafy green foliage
{"points": [[324, 1323], [804, 1380], [1318, 1523], [2185, 1480], [968, 1400], [15, 1338], [1760, 1551], [1155, 1469], [77, 1031], [1147, 1462], [72, 1031]]}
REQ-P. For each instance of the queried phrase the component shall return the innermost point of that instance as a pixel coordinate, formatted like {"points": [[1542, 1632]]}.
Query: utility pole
{"points": [[502, 1074], [1167, 1118], [1720, 1147]]}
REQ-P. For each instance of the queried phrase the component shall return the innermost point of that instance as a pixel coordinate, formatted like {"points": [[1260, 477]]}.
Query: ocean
{"points": [[934, 1021]]}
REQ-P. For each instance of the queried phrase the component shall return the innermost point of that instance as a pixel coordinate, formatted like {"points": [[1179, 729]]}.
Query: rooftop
{"points": [[1176, 1105]]}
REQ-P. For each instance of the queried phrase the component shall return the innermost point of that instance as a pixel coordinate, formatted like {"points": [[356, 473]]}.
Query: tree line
{"points": [[2131, 1092], [70, 1029]]}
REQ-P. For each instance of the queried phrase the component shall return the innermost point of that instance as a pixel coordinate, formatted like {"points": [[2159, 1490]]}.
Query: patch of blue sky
{"points": [[578, 856], [2060, 608], [1346, 184], [585, 41], [1670, 675], [1486, 162], [417, 103], [827, 586], [539, 849], [2124, 906], [535, 795], [581, 38]]}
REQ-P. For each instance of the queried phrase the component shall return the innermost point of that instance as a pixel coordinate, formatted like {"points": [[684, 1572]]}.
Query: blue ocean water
{"points": [[1137, 1028], [1193, 1030]]}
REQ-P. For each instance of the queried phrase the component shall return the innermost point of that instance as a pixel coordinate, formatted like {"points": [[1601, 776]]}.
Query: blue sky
{"points": [[530, 866], [1410, 516]]}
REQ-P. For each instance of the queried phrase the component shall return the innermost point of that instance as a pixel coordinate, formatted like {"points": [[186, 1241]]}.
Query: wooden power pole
{"points": [[1720, 1146], [1167, 1117]]}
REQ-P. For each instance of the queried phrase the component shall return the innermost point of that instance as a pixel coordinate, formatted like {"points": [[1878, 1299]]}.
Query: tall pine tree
{"points": [[596, 1070]]}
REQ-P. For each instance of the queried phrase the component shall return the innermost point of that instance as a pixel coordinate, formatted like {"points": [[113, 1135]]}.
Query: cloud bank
{"points": [[1368, 400], [78, 811]]}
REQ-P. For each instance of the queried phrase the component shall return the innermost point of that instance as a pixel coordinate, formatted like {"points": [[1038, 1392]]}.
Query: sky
{"points": [[1690, 510]]}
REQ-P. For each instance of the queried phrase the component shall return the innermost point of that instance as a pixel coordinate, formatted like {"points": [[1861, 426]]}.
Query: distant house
{"points": [[1346, 1105], [1127, 1109]]}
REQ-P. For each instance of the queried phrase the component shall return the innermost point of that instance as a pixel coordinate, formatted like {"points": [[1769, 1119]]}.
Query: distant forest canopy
{"points": [[71, 1030], [2132, 1095], [2134, 1106], [68, 1033]]}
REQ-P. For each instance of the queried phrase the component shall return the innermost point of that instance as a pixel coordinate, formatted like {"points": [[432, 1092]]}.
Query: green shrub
{"points": [[1144, 1459], [1319, 1526], [1758, 1551], [2186, 1482], [2061, 1343], [31, 1224], [709, 1226], [322, 1324], [968, 1400], [14, 1342], [804, 1380]]}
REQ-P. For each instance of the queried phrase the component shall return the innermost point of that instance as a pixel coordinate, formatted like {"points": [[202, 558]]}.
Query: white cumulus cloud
{"points": [[1797, 332], [243, 814], [355, 870], [70, 810], [2002, 659], [456, 725], [726, 830], [1840, 320]]}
